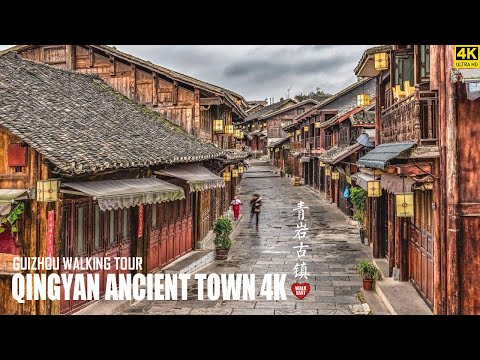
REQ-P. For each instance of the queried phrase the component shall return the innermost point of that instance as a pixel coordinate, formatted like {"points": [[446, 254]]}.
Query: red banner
{"points": [[50, 232], [140, 220]]}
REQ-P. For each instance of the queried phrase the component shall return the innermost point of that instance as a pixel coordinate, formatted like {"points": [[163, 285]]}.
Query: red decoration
{"points": [[50, 232], [300, 290], [140, 220]]}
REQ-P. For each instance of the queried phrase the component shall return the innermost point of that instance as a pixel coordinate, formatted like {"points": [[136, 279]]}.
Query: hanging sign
{"points": [[140, 221], [50, 232]]}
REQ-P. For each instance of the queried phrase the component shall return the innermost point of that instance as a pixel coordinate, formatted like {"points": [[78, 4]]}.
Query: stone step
{"points": [[190, 262]]}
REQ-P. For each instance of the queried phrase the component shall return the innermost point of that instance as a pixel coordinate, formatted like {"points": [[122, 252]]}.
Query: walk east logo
{"points": [[466, 56], [300, 290]]}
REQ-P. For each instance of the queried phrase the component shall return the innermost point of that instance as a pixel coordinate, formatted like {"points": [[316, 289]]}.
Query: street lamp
{"points": [[374, 188], [404, 204], [218, 125]]}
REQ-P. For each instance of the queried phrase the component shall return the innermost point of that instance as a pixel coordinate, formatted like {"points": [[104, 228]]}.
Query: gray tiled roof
{"points": [[81, 125]]}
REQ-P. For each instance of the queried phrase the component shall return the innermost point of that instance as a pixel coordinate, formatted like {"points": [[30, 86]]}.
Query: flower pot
{"points": [[221, 254], [367, 284]]}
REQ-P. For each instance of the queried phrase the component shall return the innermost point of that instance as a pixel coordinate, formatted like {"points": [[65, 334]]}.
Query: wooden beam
{"points": [[414, 169], [154, 89], [210, 101], [112, 65], [91, 57]]}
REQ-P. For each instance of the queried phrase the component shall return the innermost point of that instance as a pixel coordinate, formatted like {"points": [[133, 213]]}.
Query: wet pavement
{"points": [[333, 252]]}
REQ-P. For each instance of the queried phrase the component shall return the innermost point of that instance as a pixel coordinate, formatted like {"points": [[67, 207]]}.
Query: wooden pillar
{"points": [[451, 163], [112, 65], [196, 112], [437, 248], [70, 56], [175, 93], [154, 89], [133, 82], [404, 273], [375, 233], [391, 232], [380, 94], [91, 57]]}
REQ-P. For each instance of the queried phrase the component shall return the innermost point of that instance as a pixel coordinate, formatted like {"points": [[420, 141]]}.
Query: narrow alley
{"points": [[334, 250]]}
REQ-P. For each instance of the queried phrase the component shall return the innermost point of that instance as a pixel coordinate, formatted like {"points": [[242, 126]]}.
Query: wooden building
{"points": [[185, 101], [311, 133], [352, 135], [426, 121], [83, 161]]}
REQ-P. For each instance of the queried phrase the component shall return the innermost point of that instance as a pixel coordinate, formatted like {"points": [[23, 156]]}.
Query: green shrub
{"points": [[358, 196], [222, 229], [368, 270]]}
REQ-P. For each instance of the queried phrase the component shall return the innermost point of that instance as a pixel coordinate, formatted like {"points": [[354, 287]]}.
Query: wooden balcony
{"points": [[414, 118]]}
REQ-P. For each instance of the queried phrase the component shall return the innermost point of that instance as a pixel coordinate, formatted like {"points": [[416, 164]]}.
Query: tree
{"points": [[318, 95]]}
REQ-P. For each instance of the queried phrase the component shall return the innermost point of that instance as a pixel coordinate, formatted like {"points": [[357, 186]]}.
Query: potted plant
{"points": [[223, 242], [288, 171], [369, 272], [358, 196]]}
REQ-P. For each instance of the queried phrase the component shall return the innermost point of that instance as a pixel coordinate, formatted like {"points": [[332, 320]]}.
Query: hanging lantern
{"points": [[349, 180], [381, 61], [241, 169], [327, 171], [218, 126], [277, 149], [242, 134], [306, 128], [335, 175], [235, 173], [292, 134], [318, 125], [226, 176], [322, 164], [237, 133], [374, 188], [229, 129], [363, 100], [404, 204], [47, 190], [298, 132]]}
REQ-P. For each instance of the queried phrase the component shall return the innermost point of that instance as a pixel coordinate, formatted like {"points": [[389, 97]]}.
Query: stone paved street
{"points": [[334, 251]]}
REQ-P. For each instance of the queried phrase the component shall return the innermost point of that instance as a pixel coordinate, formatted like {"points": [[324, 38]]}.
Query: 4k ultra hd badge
{"points": [[466, 56]]}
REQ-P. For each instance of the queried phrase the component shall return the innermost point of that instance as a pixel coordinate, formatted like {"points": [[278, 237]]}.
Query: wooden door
{"points": [[204, 217], [155, 237], [421, 245]]}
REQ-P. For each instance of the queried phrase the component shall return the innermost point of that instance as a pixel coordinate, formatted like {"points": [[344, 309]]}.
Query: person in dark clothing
{"points": [[256, 208]]}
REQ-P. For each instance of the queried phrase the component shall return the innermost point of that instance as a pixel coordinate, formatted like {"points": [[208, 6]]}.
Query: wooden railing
{"points": [[412, 119]]}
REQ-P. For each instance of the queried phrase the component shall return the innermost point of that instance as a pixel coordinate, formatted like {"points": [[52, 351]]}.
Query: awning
{"points": [[198, 177], [379, 157], [396, 184], [7, 197], [338, 153], [363, 179], [119, 194], [367, 139]]}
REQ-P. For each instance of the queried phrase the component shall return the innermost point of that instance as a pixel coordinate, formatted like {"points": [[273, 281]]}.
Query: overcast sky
{"points": [[259, 71]]}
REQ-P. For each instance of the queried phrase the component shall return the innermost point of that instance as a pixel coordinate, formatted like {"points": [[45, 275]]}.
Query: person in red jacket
{"points": [[236, 207]]}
